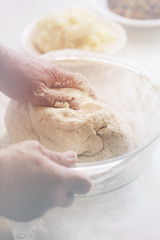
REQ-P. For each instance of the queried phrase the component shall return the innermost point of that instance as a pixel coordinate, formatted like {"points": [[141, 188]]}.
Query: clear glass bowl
{"points": [[126, 83], [121, 85]]}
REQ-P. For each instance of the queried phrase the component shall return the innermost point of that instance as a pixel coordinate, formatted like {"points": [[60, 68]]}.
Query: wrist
{"points": [[9, 69], [2, 166], [1, 66], [2, 182], [4, 62]]}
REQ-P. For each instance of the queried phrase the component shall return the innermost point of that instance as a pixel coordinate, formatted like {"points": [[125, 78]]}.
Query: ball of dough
{"points": [[95, 131]]}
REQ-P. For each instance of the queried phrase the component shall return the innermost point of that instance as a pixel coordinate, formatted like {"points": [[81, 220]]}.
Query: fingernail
{"points": [[70, 98], [74, 104], [71, 154]]}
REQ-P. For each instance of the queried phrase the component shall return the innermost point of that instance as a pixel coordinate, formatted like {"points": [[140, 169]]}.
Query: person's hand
{"points": [[34, 179], [35, 81]]}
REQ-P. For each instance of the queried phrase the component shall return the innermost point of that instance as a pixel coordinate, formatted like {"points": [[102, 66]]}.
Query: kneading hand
{"points": [[33, 80], [34, 179]]}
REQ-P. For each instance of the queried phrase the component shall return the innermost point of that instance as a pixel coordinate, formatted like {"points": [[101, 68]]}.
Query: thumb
{"points": [[78, 182], [52, 98]]}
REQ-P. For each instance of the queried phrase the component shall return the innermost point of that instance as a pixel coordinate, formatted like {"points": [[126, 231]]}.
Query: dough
{"points": [[95, 131]]}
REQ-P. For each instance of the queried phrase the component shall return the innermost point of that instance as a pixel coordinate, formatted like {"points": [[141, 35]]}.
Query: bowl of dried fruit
{"points": [[143, 14]]}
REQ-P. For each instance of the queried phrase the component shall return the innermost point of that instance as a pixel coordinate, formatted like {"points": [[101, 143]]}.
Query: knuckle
{"points": [[60, 96], [36, 144], [57, 156]]}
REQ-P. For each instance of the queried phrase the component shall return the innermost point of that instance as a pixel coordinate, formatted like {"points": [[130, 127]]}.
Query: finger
{"points": [[77, 182], [64, 78], [66, 159], [74, 183], [5, 231], [52, 98], [67, 200]]}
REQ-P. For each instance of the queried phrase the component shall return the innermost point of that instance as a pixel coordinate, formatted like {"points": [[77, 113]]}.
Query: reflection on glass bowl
{"points": [[129, 90]]}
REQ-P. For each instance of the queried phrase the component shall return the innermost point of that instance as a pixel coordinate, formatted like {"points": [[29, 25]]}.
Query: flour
{"points": [[129, 102], [95, 131], [134, 95]]}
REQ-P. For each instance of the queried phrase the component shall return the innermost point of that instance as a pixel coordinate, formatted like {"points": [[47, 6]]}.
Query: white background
{"points": [[132, 212]]}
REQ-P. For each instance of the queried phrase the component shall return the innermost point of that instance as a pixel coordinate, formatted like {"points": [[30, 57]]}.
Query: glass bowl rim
{"points": [[120, 62]]}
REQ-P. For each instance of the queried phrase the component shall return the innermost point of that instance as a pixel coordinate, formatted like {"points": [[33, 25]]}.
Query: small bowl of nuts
{"points": [[144, 13]]}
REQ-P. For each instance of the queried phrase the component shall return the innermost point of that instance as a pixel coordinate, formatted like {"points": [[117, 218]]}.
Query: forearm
{"points": [[2, 183], [5, 62], [15, 72], [20, 76], [9, 62], [32, 80]]}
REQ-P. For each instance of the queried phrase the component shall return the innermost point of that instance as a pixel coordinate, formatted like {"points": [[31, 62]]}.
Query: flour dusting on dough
{"points": [[95, 131]]}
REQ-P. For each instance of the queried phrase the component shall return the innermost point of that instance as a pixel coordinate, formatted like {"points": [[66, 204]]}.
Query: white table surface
{"points": [[132, 212]]}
